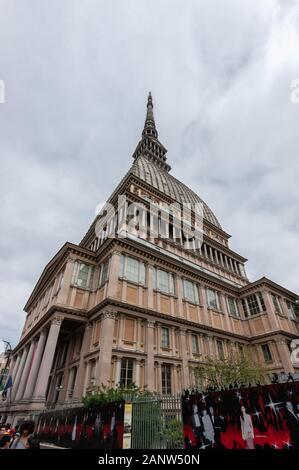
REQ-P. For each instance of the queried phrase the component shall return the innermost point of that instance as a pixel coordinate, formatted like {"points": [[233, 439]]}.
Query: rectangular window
{"points": [[129, 330], [166, 379], [276, 303], [232, 306], [164, 281], [165, 338], [213, 299], [195, 346], [260, 295], [291, 310], [245, 309], [220, 349], [132, 269], [253, 304], [190, 291], [82, 275], [126, 372], [104, 273], [266, 353]]}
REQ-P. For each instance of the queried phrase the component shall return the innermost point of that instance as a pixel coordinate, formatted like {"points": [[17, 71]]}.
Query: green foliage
{"points": [[102, 394], [172, 434], [236, 368]]}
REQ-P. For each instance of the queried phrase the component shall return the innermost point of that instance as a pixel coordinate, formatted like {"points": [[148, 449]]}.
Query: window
{"points": [[126, 372], [220, 349], [190, 291], [92, 372], [163, 281], [260, 296], [104, 272], [132, 269], [253, 304], [291, 310], [82, 274], [266, 353], [276, 303], [165, 339], [59, 281], [166, 379], [195, 346], [232, 307], [213, 299]]}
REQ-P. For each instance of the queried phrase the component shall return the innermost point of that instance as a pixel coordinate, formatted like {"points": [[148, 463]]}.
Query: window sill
{"points": [[138, 284], [158, 291], [215, 310], [80, 287], [197, 304]]}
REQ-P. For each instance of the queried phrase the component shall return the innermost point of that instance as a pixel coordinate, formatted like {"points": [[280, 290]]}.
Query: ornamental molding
{"points": [[57, 320], [151, 323], [109, 314]]}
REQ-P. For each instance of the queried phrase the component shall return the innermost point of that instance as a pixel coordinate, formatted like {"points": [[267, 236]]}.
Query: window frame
{"points": [[195, 291], [141, 270], [165, 345], [217, 299], [158, 285], [123, 381]]}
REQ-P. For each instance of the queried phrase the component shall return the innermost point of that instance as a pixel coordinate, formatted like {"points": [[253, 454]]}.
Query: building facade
{"points": [[146, 307]]}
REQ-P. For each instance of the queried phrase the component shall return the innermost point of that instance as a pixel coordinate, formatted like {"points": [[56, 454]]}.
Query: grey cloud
{"points": [[77, 75]]}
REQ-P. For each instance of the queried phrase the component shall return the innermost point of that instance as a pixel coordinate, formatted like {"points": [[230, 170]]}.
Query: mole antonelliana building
{"points": [[148, 305]]}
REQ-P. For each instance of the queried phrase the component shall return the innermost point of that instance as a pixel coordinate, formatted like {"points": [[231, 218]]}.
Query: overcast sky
{"points": [[77, 74]]}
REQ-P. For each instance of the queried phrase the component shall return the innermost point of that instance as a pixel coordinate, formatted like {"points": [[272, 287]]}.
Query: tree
{"points": [[221, 372]]}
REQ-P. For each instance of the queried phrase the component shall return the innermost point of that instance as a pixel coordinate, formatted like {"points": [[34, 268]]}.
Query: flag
{"points": [[8, 385]]}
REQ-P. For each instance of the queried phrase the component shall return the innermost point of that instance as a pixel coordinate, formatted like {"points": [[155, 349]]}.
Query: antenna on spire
{"points": [[149, 125]]}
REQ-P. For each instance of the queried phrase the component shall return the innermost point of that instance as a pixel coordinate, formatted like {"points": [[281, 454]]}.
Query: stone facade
{"points": [[143, 309]]}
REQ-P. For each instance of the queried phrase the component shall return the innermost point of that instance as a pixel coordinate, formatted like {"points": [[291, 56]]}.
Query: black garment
{"points": [[292, 423], [33, 442]]}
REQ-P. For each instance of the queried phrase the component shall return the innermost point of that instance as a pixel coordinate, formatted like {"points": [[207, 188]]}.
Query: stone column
{"points": [[47, 360], [16, 383], [137, 372], [26, 370], [79, 382], [113, 274], [285, 356], [29, 389], [159, 377], [16, 366], [150, 379], [106, 343], [63, 294], [180, 294], [117, 371], [185, 367], [270, 311], [150, 288]]}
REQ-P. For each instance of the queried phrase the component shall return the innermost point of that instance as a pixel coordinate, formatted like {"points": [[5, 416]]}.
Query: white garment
{"points": [[196, 420], [246, 427], [208, 428]]}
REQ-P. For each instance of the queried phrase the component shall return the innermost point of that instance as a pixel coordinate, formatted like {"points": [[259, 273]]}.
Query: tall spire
{"points": [[149, 125], [149, 144]]}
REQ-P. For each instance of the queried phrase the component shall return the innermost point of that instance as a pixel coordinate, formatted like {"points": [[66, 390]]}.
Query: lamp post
{"points": [[7, 353]]}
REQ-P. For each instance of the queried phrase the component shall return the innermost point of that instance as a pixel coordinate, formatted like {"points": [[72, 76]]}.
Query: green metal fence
{"points": [[157, 423]]}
